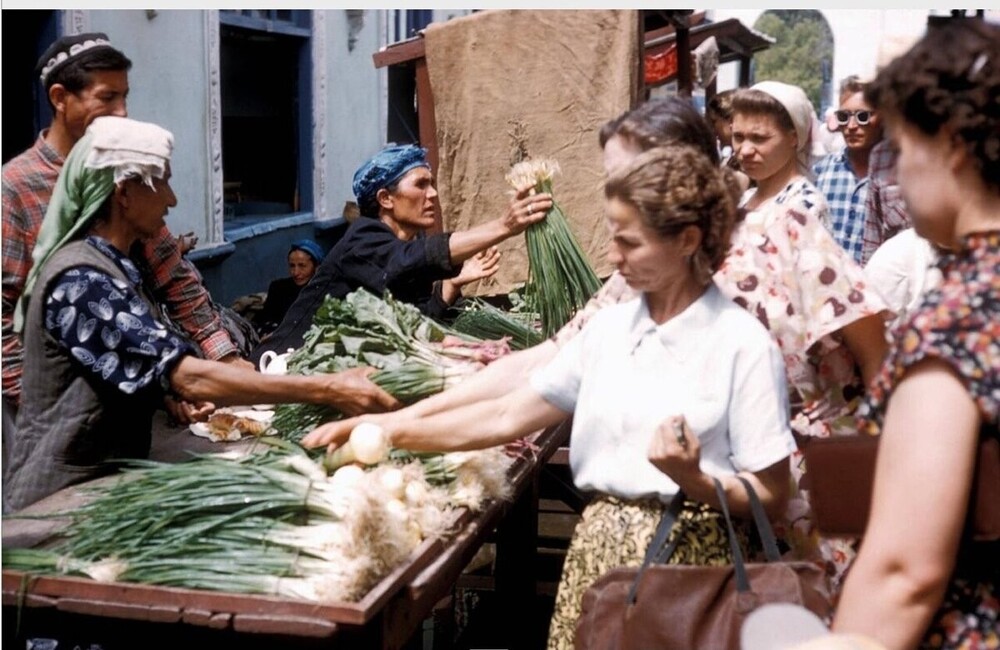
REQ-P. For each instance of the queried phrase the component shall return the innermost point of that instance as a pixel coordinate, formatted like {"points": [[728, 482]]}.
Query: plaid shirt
{"points": [[28, 181], [846, 195], [885, 211]]}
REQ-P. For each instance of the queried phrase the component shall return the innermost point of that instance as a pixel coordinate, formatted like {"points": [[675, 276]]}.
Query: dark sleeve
{"points": [[377, 260], [275, 304]]}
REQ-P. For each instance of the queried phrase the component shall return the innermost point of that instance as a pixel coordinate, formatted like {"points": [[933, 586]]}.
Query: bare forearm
{"points": [[865, 338], [495, 380], [771, 485], [478, 425], [466, 243], [198, 380]]}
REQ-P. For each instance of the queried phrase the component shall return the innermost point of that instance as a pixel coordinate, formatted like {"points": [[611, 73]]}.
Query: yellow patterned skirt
{"points": [[615, 533]]}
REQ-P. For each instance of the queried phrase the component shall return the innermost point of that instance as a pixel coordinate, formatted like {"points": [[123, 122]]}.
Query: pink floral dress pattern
{"points": [[786, 269], [958, 323]]}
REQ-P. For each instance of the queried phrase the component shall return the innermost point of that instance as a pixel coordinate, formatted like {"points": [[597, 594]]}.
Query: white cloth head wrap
{"points": [[800, 109]]}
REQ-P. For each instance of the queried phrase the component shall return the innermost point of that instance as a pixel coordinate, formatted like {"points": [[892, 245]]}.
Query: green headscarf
{"points": [[112, 148]]}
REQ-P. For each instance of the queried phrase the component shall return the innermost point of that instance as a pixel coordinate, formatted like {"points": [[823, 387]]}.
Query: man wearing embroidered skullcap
{"points": [[84, 76], [388, 247]]}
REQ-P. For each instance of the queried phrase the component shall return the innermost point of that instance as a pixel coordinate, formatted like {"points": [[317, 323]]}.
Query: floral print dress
{"points": [[958, 323]]}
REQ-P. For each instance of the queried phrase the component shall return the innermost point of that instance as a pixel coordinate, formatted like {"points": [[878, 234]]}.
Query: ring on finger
{"points": [[531, 208], [679, 433]]}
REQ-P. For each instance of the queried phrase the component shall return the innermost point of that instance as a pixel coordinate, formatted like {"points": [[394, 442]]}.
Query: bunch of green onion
{"points": [[561, 279], [482, 320]]}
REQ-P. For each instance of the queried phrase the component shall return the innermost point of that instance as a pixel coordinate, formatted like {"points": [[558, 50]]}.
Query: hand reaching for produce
{"points": [[184, 412], [675, 451], [354, 393], [525, 209], [334, 434]]}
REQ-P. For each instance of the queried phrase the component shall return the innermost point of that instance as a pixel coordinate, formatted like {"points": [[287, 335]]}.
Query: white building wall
{"points": [[856, 37]]}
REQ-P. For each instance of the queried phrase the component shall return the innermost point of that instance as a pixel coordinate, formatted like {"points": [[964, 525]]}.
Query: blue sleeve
{"points": [[108, 328]]}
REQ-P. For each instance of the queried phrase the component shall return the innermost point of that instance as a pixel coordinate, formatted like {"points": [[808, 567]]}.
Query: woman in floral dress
{"points": [[919, 580]]}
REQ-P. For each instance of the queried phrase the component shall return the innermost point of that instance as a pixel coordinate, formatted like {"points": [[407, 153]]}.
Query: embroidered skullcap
{"points": [[799, 108], [310, 248], [69, 48], [112, 150], [385, 168]]}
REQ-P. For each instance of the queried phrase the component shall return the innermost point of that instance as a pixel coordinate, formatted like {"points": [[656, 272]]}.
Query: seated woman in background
{"points": [[919, 580], [667, 390], [99, 358], [303, 258], [387, 247]]}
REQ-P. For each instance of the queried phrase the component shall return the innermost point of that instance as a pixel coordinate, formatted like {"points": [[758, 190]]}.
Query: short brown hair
{"points": [[675, 187]]}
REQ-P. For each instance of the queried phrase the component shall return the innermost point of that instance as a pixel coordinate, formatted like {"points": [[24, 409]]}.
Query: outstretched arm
{"points": [[475, 426], [524, 210]]}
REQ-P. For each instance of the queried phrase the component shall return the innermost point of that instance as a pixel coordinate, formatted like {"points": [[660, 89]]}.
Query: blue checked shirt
{"points": [[846, 196]]}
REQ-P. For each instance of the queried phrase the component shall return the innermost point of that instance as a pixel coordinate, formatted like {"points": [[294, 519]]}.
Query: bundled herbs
{"points": [[415, 356], [482, 320], [268, 523], [560, 279]]}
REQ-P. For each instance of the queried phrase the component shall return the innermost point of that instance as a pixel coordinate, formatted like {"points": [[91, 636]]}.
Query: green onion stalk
{"points": [[560, 279], [484, 321]]}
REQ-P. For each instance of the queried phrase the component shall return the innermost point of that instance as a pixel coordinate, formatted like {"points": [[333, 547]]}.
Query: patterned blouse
{"points": [[959, 324], [108, 328]]}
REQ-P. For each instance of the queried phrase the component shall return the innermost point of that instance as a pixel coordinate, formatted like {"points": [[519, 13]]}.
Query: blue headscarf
{"points": [[310, 248], [385, 168]]}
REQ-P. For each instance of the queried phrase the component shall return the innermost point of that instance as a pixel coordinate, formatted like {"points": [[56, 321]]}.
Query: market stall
{"points": [[388, 616]]}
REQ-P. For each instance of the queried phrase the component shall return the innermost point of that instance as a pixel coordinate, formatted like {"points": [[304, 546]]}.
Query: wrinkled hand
{"points": [[675, 451], [481, 265], [525, 209], [235, 359], [184, 412], [353, 393]]}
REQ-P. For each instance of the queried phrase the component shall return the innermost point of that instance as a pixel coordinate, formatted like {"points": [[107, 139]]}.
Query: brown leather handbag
{"points": [[840, 474], [663, 606]]}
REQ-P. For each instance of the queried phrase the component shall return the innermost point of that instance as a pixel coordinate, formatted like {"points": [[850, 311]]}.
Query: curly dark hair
{"points": [[949, 80], [675, 187], [720, 107]]}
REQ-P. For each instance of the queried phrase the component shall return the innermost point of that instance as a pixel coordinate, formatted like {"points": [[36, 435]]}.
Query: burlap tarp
{"points": [[555, 77]]}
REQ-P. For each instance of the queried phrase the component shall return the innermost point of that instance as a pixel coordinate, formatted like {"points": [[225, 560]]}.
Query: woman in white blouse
{"points": [[666, 391]]}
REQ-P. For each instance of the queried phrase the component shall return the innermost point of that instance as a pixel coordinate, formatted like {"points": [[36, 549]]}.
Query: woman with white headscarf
{"points": [[98, 357], [786, 268]]}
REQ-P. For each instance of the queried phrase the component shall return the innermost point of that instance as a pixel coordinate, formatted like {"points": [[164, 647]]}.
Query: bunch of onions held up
{"points": [[560, 279]]}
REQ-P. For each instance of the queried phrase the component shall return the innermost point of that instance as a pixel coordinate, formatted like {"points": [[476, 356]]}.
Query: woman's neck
{"points": [[118, 236], [667, 303], [768, 188], [980, 212], [402, 232]]}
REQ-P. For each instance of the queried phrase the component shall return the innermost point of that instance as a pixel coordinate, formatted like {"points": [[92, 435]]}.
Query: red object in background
{"points": [[661, 66]]}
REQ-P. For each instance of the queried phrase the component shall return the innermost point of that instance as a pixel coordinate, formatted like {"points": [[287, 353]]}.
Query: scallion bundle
{"points": [[484, 321], [561, 279]]}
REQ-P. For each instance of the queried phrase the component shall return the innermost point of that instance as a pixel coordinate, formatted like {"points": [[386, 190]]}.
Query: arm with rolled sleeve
{"points": [[176, 283]]}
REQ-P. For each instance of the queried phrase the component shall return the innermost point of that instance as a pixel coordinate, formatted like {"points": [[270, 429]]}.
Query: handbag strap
{"points": [[739, 566], [658, 550], [764, 530]]}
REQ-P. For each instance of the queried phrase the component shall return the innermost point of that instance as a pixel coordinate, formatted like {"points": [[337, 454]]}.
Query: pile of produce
{"points": [[482, 320], [560, 279], [269, 523]]}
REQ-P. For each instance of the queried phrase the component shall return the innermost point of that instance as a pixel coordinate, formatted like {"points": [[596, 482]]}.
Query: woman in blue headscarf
{"points": [[99, 357], [303, 258], [387, 248]]}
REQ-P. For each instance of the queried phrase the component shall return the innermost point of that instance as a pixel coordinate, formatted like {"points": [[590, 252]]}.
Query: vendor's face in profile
{"points": [[301, 267], [763, 147], [648, 261], [925, 180], [146, 207], [106, 94], [414, 199]]}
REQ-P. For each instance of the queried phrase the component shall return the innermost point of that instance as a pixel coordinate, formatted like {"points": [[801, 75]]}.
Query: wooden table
{"points": [[141, 616]]}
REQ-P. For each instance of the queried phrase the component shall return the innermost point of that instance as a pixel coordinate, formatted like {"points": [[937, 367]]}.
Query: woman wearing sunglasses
{"points": [[843, 176]]}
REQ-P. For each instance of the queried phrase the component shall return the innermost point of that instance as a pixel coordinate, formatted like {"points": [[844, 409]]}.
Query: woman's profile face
{"points": [[762, 146], [647, 260], [301, 267], [146, 207], [922, 169], [414, 199]]}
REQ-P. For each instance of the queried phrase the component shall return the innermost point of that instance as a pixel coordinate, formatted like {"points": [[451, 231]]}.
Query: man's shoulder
{"points": [[830, 163], [32, 167]]}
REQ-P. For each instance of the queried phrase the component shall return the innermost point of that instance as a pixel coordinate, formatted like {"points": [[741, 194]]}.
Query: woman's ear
{"points": [[384, 198], [690, 240]]}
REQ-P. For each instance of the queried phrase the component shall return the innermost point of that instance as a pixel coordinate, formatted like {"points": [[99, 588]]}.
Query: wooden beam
{"points": [[402, 52], [428, 126]]}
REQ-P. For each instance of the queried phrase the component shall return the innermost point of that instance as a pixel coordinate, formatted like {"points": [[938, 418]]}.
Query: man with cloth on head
{"points": [[85, 77]]}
